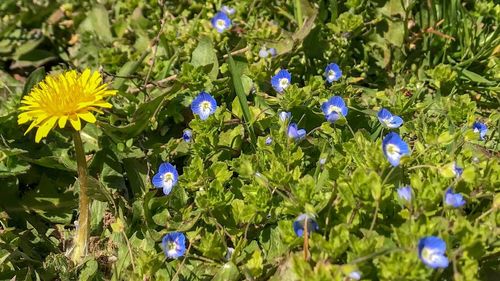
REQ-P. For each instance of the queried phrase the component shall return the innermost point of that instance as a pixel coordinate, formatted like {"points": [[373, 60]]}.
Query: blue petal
{"points": [[157, 180], [481, 127], [434, 243], [292, 130], [187, 135], [440, 262], [167, 189], [455, 200], [332, 117], [337, 101], [384, 114], [301, 133], [404, 193], [325, 106], [395, 122]]}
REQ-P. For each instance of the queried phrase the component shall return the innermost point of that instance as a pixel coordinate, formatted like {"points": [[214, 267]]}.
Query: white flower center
{"points": [[388, 121], [220, 23], [331, 75], [284, 83], [168, 178], [476, 130], [392, 150], [205, 107], [333, 108], [429, 255]]}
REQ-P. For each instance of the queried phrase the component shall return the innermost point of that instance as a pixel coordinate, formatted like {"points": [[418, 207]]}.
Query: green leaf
{"points": [[205, 55], [229, 271], [100, 23]]}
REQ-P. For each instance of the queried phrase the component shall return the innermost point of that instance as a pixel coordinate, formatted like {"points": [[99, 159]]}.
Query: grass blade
{"points": [[238, 87]]}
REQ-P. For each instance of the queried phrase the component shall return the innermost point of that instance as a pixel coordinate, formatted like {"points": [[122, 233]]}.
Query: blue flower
{"points": [[455, 200], [300, 222], [269, 140], [354, 275], [480, 128], [174, 244], [295, 133], [204, 105], [228, 10], [332, 72], [390, 121], [457, 170], [334, 108], [285, 116], [187, 135], [394, 148], [404, 193], [272, 52], [263, 53], [221, 22], [281, 80], [166, 178], [322, 161], [431, 250]]}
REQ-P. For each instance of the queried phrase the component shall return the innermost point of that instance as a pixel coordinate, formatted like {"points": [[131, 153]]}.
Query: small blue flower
{"points": [[394, 148], [354, 275], [295, 133], [300, 222], [432, 250], [390, 121], [263, 53], [166, 178], [334, 108], [285, 116], [281, 80], [404, 193], [322, 161], [228, 10], [480, 128], [332, 72], [455, 200], [221, 22], [187, 135], [457, 170], [272, 52], [269, 140], [204, 105], [174, 245]]}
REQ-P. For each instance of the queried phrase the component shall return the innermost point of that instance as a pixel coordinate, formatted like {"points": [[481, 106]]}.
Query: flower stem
{"points": [[82, 229]]}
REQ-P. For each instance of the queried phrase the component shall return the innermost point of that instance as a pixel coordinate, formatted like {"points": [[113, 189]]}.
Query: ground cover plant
{"points": [[249, 140]]}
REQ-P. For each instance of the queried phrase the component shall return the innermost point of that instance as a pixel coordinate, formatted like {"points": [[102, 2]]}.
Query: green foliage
{"points": [[434, 63]]}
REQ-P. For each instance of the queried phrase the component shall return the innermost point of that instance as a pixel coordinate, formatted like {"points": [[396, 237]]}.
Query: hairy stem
{"points": [[82, 230]]}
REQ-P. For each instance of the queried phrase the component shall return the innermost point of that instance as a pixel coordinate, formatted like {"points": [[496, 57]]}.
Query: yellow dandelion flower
{"points": [[64, 97]]}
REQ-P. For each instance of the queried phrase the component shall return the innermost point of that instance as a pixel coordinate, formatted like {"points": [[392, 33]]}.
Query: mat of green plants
{"points": [[249, 140]]}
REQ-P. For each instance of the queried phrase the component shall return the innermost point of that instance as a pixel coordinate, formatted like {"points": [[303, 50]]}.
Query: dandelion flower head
{"points": [[68, 96]]}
